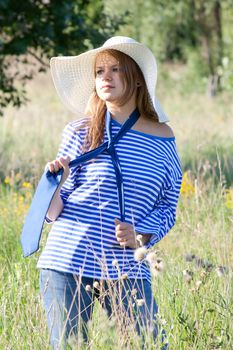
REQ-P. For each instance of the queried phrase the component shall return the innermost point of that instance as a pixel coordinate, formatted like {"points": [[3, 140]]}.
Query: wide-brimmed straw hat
{"points": [[73, 76]]}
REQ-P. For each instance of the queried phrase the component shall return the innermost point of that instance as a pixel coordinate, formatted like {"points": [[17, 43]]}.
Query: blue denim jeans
{"points": [[69, 300]]}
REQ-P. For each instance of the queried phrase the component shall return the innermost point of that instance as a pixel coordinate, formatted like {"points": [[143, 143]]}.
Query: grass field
{"points": [[195, 290]]}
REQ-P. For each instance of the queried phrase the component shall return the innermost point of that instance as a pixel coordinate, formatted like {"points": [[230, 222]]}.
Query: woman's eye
{"points": [[115, 69], [99, 71]]}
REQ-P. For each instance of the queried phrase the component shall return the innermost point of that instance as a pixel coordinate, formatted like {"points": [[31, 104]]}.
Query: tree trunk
{"points": [[210, 24], [214, 85]]}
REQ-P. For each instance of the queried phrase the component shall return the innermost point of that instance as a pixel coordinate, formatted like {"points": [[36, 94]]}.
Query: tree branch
{"points": [[38, 58]]}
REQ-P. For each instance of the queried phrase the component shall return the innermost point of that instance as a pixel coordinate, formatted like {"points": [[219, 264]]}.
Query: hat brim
{"points": [[73, 76]]}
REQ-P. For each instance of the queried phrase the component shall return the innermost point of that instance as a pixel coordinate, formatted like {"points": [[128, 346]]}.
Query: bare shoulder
{"points": [[154, 128], [158, 129], [163, 130]]}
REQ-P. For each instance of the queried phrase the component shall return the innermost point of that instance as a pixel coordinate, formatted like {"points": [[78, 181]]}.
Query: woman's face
{"points": [[108, 78]]}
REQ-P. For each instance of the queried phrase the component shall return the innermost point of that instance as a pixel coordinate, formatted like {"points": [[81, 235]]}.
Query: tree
{"points": [[183, 30], [32, 31], [208, 17]]}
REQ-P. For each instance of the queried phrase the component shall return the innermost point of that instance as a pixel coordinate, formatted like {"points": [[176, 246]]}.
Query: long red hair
{"points": [[131, 73]]}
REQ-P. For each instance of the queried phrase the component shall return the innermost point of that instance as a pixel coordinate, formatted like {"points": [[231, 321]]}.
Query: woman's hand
{"points": [[127, 237], [55, 165], [125, 234], [56, 206]]}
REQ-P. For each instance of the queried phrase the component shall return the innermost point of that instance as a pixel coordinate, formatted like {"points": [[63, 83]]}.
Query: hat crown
{"points": [[119, 40]]}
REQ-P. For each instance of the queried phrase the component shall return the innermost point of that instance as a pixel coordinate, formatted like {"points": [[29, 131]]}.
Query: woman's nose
{"points": [[107, 75]]}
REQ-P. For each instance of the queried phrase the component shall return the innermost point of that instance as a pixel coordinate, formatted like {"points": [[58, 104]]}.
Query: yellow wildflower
{"points": [[7, 180], [26, 185], [229, 198], [187, 187]]}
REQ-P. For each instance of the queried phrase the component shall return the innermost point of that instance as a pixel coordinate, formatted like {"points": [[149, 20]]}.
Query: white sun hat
{"points": [[73, 76]]}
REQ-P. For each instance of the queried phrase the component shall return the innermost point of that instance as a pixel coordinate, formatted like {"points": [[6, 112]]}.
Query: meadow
{"points": [[194, 289]]}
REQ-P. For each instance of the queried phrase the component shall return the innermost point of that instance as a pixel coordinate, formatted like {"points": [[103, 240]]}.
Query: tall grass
{"points": [[195, 290], [196, 312]]}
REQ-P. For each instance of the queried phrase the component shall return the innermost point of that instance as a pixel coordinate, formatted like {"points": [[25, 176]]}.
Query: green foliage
{"points": [[34, 31], [195, 32]]}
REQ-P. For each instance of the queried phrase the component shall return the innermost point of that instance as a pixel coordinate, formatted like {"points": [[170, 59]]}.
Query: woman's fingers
{"points": [[57, 164], [122, 239], [64, 161], [125, 234], [125, 238], [131, 243], [122, 225], [53, 166]]}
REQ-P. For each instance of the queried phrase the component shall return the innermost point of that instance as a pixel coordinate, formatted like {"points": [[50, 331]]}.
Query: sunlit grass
{"points": [[196, 312]]}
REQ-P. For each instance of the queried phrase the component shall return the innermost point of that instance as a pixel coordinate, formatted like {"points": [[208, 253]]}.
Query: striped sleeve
{"points": [[71, 145], [163, 216]]}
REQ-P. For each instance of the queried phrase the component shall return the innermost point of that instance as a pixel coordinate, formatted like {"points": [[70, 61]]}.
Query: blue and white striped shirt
{"points": [[82, 239]]}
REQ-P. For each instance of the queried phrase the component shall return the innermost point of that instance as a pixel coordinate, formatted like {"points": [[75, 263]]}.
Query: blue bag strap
{"points": [[104, 146], [116, 164]]}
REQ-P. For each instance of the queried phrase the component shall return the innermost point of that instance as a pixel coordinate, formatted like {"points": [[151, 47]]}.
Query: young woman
{"points": [[130, 187]]}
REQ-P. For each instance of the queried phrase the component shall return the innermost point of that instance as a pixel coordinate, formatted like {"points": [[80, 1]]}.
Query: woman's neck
{"points": [[121, 113]]}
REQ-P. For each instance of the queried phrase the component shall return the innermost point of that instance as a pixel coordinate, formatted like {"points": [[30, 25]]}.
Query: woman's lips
{"points": [[107, 87]]}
